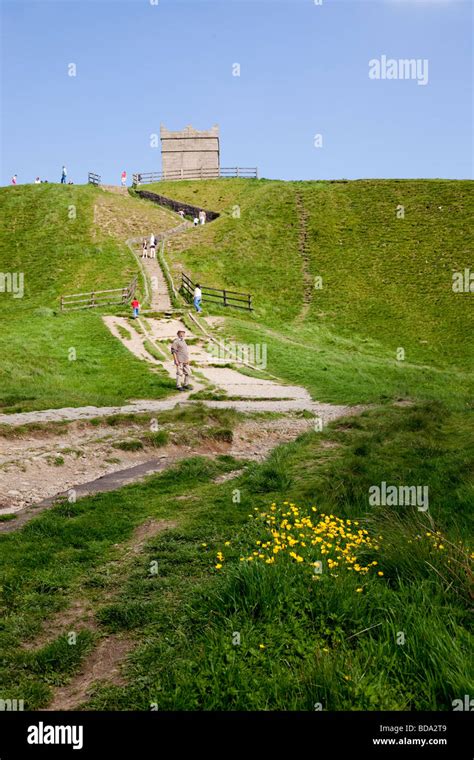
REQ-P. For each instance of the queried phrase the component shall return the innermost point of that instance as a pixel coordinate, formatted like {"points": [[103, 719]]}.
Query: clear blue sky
{"points": [[304, 71]]}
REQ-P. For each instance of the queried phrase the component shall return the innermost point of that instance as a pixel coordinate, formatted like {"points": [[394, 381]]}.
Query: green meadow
{"points": [[352, 286]]}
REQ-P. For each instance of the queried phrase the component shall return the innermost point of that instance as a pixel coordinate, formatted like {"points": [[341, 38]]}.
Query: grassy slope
{"points": [[59, 254], [386, 281], [183, 617]]}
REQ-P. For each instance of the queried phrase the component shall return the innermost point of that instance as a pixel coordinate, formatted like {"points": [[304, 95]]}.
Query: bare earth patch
{"points": [[103, 665]]}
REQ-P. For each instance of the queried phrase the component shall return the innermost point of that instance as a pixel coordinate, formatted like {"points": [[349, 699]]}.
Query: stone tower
{"points": [[189, 154]]}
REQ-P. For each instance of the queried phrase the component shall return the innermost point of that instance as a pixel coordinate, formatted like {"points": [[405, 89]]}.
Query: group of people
{"points": [[38, 181], [149, 247]]}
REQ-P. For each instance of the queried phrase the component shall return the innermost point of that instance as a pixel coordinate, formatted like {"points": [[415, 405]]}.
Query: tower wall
{"points": [[189, 150]]}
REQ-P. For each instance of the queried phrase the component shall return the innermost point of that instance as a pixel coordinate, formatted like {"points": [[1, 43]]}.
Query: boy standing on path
{"points": [[180, 352], [63, 175], [136, 308]]}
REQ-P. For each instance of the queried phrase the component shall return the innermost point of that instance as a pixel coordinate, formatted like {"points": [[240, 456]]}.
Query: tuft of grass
{"points": [[158, 439], [129, 445]]}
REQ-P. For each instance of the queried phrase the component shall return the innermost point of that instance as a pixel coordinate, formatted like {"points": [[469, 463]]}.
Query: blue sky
{"points": [[304, 70]]}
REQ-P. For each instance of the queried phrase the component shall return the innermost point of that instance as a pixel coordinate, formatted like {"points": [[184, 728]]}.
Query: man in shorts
{"points": [[180, 352]]}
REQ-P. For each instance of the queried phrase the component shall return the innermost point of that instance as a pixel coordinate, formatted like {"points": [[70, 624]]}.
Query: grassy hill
{"points": [[386, 281], [389, 631], [67, 239]]}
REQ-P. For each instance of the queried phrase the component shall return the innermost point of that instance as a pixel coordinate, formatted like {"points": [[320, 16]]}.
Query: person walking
{"points": [[202, 217], [144, 249], [14, 178], [180, 353], [37, 181], [135, 308], [124, 178], [63, 175], [197, 298], [196, 221], [153, 250]]}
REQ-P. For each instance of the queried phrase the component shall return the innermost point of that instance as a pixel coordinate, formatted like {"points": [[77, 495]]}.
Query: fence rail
{"points": [[97, 298], [93, 179], [216, 295], [144, 178]]}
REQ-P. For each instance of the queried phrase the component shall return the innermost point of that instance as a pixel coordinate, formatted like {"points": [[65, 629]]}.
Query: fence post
{"points": [[250, 302], [225, 297], [237, 171], [92, 299]]}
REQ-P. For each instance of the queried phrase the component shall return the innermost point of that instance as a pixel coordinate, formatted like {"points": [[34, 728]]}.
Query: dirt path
{"points": [[92, 460], [104, 663], [308, 284], [32, 475], [205, 361]]}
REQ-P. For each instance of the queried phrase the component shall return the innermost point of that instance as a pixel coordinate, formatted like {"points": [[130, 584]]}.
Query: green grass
{"points": [[386, 282], [323, 642], [131, 444], [48, 233], [386, 285], [102, 373]]}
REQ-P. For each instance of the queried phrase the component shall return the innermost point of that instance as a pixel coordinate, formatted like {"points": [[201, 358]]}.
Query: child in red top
{"points": [[135, 307]]}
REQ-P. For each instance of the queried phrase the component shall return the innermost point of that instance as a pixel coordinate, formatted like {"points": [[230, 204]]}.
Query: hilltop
{"points": [[386, 281]]}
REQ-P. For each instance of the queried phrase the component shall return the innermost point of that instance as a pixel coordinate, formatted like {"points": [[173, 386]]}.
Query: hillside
{"points": [[386, 282], [71, 238], [67, 239], [339, 602]]}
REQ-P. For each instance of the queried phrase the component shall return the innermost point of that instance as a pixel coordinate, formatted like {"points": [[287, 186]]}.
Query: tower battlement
{"points": [[189, 151]]}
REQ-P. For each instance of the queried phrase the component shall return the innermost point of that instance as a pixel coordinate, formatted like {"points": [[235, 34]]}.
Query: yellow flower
{"points": [[218, 566], [262, 646], [359, 590], [380, 573]]}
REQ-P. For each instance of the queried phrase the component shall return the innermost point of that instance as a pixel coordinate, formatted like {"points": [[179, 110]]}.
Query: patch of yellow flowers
{"points": [[312, 539]]}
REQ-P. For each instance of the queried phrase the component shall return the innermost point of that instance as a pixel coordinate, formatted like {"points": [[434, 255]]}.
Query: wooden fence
{"points": [[93, 179], [98, 298], [144, 178], [216, 295]]}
